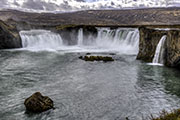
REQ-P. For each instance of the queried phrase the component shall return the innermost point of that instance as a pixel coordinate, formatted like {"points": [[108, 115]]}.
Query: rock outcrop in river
{"points": [[97, 58], [38, 103]]}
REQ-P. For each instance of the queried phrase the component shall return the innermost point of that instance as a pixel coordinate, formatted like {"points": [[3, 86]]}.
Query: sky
{"points": [[74, 5]]}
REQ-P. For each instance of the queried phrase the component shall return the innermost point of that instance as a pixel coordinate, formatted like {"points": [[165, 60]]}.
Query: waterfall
{"points": [[40, 39], [159, 54], [121, 40], [80, 37], [125, 40]]}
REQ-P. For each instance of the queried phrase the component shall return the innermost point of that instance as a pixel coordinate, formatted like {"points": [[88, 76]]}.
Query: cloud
{"points": [[72, 5]]}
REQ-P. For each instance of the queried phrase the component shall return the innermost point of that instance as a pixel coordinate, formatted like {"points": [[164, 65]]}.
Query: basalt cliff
{"points": [[152, 23]]}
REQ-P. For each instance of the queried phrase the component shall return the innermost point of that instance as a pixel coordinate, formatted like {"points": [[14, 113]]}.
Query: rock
{"points": [[88, 53], [38, 103], [97, 58], [9, 37], [112, 53], [173, 49], [149, 39]]}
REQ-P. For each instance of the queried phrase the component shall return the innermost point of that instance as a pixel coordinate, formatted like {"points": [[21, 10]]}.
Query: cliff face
{"points": [[173, 49], [149, 39], [9, 37]]}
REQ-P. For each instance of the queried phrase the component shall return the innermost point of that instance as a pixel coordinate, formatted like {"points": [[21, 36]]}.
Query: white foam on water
{"points": [[155, 64]]}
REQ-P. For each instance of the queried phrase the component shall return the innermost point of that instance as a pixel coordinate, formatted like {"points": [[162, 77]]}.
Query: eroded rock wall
{"points": [[149, 38], [9, 37], [173, 48]]}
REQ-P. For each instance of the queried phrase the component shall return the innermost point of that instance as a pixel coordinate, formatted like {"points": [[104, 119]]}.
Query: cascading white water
{"points": [[159, 54], [40, 39], [121, 40], [125, 40], [80, 37]]}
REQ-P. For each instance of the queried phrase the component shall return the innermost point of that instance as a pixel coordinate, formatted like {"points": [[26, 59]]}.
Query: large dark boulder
{"points": [[38, 103]]}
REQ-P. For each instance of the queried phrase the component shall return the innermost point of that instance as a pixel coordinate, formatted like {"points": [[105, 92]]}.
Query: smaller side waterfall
{"points": [[159, 54], [80, 37]]}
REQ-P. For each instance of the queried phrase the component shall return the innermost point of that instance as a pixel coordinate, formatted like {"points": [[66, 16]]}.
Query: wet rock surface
{"points": [[149, 39], [173, 48], [37, 103], [97, 58], [9, 37]]}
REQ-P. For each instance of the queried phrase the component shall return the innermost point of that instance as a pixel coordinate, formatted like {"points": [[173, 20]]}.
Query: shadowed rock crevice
{"points": [[9, 37]]}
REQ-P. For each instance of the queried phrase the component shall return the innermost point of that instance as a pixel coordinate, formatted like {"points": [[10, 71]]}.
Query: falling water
{"points": [[80, 37], [121, 40], [40, 39], [159, 54]]}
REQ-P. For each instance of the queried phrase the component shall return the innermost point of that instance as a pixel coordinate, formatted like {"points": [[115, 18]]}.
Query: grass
{"points": [[164, 115]]}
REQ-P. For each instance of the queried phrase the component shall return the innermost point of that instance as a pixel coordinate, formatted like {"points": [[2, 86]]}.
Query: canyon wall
{"points": [[173, 48], [9, 37], [149, 39]]}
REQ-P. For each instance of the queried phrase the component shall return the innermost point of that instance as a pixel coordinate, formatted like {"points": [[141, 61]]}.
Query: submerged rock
{"points": [[97, 58], [38, 103]]}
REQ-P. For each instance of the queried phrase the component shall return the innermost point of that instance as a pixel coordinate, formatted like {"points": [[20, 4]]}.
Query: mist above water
{"points": [[121, 40], [40, 39], [74, 5]]}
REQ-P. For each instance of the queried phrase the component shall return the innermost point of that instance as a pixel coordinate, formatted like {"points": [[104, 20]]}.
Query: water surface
{"points": [[85, 90]]}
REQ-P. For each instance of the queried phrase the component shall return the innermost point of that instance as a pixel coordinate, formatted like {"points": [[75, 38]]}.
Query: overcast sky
{"points": [[72, 5]]}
